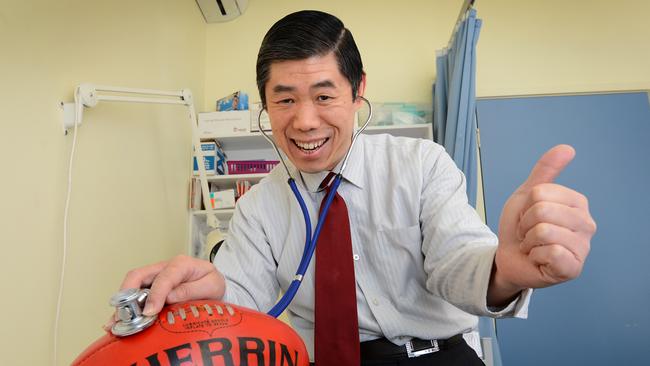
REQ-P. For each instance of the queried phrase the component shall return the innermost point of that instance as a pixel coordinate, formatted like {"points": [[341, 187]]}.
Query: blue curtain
{"points": [[454, 118]]}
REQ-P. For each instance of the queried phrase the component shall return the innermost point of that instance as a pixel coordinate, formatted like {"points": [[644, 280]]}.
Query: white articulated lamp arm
{"points": [[89, 95]]}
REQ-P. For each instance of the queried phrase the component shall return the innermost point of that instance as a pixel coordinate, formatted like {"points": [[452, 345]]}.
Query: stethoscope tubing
{"points": [[310, 241], [310, 244]]}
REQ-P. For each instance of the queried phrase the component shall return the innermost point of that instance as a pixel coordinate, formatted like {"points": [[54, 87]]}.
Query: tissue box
{"points": [[219, 124], [237, 101], [210, 153], [223, 199]]}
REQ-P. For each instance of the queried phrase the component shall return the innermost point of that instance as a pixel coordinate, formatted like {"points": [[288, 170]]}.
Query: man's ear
{"points": [[361, 91]]}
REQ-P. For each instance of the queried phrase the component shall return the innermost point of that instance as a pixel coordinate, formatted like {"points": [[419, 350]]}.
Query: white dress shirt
{"points": [[422, 256]]}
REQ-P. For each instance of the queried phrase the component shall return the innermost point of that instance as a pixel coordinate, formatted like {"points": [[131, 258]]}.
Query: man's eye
{"points": [[285, 101], [323, 98]]}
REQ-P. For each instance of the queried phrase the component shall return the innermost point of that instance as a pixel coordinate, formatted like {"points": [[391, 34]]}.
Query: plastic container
{"points": [[251, 166], [386, 114]]}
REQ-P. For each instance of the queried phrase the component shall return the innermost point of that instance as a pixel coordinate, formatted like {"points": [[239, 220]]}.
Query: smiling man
{"points": [[414, 259], [312, 108]]}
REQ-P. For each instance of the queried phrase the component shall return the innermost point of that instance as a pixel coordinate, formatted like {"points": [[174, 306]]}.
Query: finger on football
{"points": [[142, 277], [163, 284], [109, 323]]}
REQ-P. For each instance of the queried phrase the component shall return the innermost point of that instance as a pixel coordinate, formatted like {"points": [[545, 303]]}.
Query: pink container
{"points": [[251, 166]]}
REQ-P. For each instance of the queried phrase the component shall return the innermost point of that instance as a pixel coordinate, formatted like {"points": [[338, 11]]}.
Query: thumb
{"points": [[550, 165]]}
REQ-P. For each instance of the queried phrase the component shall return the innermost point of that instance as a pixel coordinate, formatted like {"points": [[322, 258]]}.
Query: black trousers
{"points": [[457, 355]]}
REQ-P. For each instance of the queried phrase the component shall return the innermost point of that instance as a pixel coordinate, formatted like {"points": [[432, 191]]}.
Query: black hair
{"points": [[305, 34]]}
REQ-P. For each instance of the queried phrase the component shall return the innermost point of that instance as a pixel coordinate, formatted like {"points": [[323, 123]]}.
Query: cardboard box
{"points": [[219, 124], [264, 118], [210, 154], [223, 199]]}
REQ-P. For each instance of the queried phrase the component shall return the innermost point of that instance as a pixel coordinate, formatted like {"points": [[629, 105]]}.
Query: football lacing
{"points": [[195, 312]]}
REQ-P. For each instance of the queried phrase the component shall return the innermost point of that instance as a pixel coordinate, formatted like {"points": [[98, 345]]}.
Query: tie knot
{"points": [[326, 182]]}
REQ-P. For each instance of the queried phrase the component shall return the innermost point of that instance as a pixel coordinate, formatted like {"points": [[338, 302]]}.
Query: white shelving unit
{"points": [[224, 213], [232, 178], [255, 140], [253, 146]]}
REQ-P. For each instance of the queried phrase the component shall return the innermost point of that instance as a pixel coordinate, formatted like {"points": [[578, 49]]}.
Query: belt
{"points": [[383, 348]]}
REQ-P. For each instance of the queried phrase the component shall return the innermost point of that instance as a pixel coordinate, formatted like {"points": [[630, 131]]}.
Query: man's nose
{"points": [[306, 117]]}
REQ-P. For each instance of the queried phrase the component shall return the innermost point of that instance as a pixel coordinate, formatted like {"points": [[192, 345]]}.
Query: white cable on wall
{"points": [[86, 95], [78, 107]]}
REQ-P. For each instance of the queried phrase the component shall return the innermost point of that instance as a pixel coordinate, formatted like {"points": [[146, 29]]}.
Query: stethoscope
{"points": [[310, 241], [130, 302]]}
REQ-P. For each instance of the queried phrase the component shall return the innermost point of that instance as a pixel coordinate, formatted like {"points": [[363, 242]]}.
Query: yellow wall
{"points": [[525, 47], [128, 199], [556, 46], [128, 205], [397, 41]]}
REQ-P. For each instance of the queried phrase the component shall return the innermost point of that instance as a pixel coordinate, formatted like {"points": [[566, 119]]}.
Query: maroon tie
{"points": [[337, 327]]}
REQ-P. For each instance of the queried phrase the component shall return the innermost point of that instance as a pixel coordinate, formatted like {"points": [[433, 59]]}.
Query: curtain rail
{"points": [[467, 4]]}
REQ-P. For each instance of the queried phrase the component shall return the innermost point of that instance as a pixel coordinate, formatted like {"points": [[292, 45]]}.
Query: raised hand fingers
{"points": [[559, 214], [555, 230], [555, 263], [549, 234], [550, 165], [552, 192]]}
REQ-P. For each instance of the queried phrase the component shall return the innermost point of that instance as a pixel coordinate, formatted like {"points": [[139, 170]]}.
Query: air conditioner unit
{"points": [[218, 11]]}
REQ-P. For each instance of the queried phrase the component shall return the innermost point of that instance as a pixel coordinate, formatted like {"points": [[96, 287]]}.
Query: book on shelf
{"points": [[195, 199]]}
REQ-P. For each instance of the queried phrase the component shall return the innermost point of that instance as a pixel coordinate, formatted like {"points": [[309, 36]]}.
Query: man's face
{"points": [[311, 110]]}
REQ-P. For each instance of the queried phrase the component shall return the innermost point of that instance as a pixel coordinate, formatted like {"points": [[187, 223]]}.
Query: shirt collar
{"points": [[353, 171]]}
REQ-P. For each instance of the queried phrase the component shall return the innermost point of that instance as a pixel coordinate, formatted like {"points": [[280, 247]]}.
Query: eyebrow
{"points": [[286, 88], [323, 84], [283, 89]]}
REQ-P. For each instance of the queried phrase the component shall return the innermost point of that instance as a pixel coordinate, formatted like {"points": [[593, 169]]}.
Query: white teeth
{"points": [[310, 145]]}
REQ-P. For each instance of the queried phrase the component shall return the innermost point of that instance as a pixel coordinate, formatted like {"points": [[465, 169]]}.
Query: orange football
{"points": [[206, 333]]}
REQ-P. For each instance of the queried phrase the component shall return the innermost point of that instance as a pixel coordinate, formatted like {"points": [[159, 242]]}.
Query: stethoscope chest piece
{"points": [[128, 305]]}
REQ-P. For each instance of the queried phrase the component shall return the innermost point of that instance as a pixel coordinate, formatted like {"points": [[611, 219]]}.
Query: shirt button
{"points": [[375, 301], [355, 257]]}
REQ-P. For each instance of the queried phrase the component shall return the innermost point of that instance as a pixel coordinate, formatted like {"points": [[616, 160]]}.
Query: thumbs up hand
{"points": [[544, 231]]}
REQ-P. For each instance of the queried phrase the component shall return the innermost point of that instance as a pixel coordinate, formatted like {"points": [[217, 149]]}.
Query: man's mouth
{"points": [[310, 146]]}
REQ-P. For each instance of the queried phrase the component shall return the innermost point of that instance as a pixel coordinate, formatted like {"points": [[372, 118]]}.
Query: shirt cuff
{"points": [[518, 308]]}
